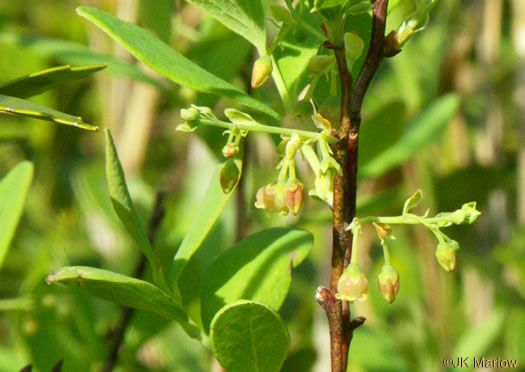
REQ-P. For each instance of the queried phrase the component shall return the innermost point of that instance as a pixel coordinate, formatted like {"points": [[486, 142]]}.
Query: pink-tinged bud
{"points": [[388, 282], [229, 176], [446, 254], [262, 69], [294, 195], [230, 150], [271, 198], [352, 285]]}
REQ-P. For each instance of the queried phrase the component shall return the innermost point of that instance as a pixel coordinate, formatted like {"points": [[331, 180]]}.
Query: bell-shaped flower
{"points": [[446, 254], [388, 282], [352, 285]]}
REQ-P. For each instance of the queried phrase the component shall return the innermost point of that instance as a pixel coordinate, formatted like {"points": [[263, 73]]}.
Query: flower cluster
{"points": [[353, 285]]}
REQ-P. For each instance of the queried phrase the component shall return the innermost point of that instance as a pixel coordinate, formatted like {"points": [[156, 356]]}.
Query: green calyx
{"points": [[352, 285], [388, 282]]}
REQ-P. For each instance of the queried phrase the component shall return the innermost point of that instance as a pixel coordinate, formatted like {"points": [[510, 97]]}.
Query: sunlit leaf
{"points": [[166, 61], [157, 16], [245, 17], [13, 191], [413, 201], [257, 268], [248, 336], [18, 106], [124, 290], [77, 54], [209, 211], [38, 82], [122, 202], [476, 341], [421, 131]]}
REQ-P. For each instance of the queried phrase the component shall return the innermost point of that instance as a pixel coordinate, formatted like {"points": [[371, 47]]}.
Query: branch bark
{"points": [[345, 186]]}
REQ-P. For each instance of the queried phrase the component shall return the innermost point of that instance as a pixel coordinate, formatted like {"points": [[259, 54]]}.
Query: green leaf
{"points": [[209, 210], [124, 290], [239, 117], [18, 106], [258, 268], [122, 203], [387, 355], [38, 82], [478, 340], [13, 191], [292, 58], [78, 54], [514, 331], [244, 17], [422, 131], [381, 131], [248, 336], [166, 61], [324, 4], [413, 201], [156, 15]]}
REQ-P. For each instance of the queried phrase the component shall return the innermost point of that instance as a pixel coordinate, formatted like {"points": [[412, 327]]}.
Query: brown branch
{"points": [[345, 186], [127, 312], [376, 53]]}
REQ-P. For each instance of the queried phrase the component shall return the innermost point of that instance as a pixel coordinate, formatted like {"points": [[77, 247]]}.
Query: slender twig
{"points": [[257, 127], [127, 312]]}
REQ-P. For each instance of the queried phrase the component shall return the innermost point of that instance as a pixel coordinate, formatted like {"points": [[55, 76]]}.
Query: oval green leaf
{"points": [[166, 61], [249, 337], [258, 268], [18, 106], [13, 191], [124, 290]]}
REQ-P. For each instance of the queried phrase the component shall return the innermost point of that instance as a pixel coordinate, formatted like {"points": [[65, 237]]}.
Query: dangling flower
{"points": [[388, 282], [352, 285], [271, 198], [446, 254], [294, 196]]}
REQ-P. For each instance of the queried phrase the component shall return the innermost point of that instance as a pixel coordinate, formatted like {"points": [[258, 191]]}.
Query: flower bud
{"points": [[230, 150], [324, 186], [471, 213], [229, 176], [352, 285], [262, 69], [319, 63], [294, 196], [446, 254], [458, 217], [271, 198], [388, 282], [189, 114], [322, 122]]}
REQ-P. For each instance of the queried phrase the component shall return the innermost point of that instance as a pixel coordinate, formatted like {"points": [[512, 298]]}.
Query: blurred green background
{"points": [[474, 49]]}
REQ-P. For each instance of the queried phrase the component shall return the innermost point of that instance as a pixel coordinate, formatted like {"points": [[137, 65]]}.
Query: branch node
{"points": [[357, 322]]}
